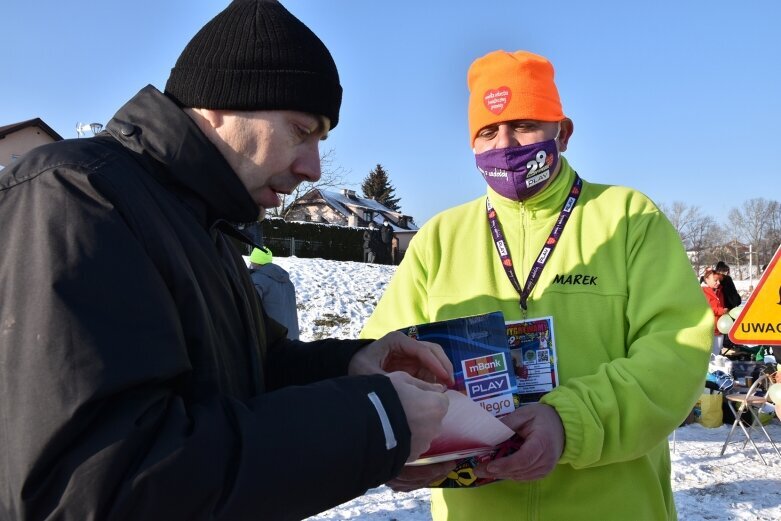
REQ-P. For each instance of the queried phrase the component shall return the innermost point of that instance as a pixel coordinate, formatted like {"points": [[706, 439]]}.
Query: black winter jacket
{"points": [[731, 296], [139, 378]]}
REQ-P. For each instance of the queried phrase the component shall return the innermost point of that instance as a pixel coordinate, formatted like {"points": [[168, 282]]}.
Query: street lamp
{"points": [[82, 128]]}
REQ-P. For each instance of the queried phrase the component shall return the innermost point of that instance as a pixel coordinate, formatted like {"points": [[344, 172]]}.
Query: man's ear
{"points": [[567, 128], [214, 118]]}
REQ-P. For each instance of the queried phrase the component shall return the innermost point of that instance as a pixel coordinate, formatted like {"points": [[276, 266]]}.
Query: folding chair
{"points": [[752, 404]]}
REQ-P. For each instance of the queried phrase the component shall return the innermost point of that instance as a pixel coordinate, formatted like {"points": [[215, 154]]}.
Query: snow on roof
{"points": [[352, 204]]}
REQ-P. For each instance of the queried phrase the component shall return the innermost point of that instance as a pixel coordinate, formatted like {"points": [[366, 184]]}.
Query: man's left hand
{"points": [[542, 432], [398, 352]]}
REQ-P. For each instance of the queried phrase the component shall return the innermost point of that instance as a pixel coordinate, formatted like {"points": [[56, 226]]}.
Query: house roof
{"points": [[352, 204], [36, 122]]}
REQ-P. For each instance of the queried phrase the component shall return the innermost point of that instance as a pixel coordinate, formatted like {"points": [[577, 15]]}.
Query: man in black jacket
{"points": [[386, 235], [731, 296], [139, 375]]}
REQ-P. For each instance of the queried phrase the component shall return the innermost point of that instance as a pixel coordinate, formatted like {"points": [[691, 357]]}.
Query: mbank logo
{"points": [[484, 365]]}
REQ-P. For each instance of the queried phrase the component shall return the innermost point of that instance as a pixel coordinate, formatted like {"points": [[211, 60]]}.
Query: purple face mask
{"points": [[519, 172]]}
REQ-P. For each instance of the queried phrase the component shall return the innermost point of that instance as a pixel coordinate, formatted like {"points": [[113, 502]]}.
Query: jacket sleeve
{"points": [[715, 304], [94, 423], [731, 296], [631, 404], [292, 362]]}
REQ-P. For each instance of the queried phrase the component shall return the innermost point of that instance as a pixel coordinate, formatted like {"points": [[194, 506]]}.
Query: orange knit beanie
{"points": [[507, 86]]}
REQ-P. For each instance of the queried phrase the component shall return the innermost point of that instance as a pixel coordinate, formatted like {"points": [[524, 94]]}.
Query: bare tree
{"points": [[332, 176], [687, 221], [705, 238], [675, 212], [757, 222], [754, 223], [699, 233], [774, 227], [733, 252]]}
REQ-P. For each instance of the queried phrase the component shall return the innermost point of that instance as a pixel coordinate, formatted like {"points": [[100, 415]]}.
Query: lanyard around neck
{"points": [[542, 259]]}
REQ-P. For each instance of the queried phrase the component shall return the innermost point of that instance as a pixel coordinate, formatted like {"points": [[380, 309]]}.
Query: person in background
{"points": [[368, 254], [711, 282], [140, 378], [276, 290], [632, 347], [374, 243], [395, 256], [729, 292], [386, 236]]}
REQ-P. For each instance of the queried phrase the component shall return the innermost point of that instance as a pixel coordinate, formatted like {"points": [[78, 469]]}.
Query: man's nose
{"points": [[308, 164], [505, 137]]}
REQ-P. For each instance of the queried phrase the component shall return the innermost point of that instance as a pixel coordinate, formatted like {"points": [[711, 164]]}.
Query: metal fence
{"points": [[290, 246]]}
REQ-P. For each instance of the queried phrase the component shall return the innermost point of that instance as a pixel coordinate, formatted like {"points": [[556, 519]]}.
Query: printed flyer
{"points": [[484, 372], [533, 352]]}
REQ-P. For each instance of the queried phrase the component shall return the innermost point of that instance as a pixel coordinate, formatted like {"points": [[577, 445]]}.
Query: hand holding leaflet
{"points": [[484, 390], [542, 432], [467, 430]]}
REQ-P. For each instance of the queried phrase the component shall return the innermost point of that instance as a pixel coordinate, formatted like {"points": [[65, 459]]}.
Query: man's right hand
{"points": [[543, 435], [425, 405]]}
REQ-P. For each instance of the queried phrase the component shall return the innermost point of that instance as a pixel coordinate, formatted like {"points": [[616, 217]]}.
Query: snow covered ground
{"points": [[335, 298]]}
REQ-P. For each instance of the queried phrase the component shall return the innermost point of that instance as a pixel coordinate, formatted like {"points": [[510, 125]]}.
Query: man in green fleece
{"points": [[630, 348]]}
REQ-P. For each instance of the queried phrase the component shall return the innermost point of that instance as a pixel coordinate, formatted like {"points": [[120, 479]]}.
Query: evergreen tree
{"points": [[377, 186]]}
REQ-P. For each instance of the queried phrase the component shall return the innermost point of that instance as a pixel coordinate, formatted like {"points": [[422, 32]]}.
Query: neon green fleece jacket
{"points": [[632, 329]]}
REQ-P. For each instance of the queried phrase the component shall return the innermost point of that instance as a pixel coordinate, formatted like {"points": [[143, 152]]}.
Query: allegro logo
{"points": [[498, 405], [484, 365]]}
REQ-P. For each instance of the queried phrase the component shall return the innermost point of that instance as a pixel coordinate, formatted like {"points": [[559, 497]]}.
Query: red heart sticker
{"points": [[496, 100]]}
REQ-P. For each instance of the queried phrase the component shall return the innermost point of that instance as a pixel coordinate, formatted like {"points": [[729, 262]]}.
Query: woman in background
{"points": [[711, 280]]}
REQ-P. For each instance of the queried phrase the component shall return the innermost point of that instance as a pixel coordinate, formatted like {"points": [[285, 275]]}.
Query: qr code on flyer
{"points": [[543, 356]]}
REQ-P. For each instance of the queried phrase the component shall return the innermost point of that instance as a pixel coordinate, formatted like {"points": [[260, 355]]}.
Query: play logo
{"points": [[488, 386]]}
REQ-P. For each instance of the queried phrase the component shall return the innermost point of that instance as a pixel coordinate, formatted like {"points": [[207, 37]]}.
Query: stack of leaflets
{"points": [[498, 367], [485, 389]]}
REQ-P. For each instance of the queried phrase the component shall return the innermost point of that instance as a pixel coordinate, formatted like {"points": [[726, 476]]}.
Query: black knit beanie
{"points": [[255, 55]]}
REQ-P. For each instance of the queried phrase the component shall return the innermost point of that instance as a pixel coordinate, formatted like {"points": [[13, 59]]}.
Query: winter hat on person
{"points": [[261, 256], [506, 86], [255, 55]]}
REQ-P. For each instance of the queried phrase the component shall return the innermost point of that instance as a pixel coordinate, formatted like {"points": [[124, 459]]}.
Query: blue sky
{"points": [[677, 99]]}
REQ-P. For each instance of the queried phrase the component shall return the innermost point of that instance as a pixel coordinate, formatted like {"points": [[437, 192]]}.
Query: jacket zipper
{"points": [[524, 273]]}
